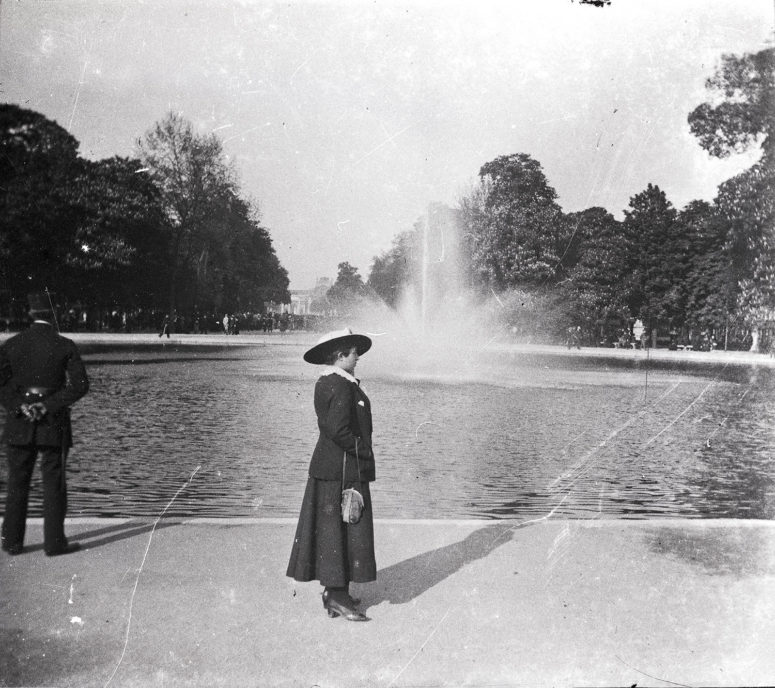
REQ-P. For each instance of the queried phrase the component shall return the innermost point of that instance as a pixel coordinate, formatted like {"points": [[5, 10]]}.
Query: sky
{"points": [[345, 120]]}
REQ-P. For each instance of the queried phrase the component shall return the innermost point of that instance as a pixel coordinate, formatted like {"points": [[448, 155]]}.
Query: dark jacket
{"points": [[39, 357], [344, 416]]}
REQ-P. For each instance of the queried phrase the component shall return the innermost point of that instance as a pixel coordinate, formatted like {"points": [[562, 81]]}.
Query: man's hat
{"points": [[39, 303], [338, 338]]}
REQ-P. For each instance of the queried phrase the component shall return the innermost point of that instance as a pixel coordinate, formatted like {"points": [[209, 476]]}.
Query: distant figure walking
{"points": [[325, 547], [574, 337], [41, 376], [165, 327], [226, 324]]}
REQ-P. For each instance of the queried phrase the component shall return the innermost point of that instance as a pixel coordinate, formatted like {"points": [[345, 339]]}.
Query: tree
{"points": [[262, 278], [396, 268], [37, 167], [746, 203], [659, 247], [85, 230], [744, 116], [745, 113], [119, 241], [254, 272], [514, 228], [710, 287], [600, 281], [348, 289], [196, 187]]}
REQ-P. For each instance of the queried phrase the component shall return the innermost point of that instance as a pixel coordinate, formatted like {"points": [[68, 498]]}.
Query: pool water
{"points": [[507, 436]]}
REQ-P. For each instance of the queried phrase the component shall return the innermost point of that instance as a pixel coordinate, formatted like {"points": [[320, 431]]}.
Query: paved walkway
{"points": [[457, 603]]}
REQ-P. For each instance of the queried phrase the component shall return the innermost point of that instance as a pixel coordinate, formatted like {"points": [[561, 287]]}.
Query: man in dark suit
{"points": [[41, 375]]}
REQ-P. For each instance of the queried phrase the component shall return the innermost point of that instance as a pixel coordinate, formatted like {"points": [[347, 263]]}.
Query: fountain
{"points": [[437, 321]]}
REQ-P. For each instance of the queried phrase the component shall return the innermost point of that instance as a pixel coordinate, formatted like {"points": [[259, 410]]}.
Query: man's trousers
{"points": [[21, 461]]}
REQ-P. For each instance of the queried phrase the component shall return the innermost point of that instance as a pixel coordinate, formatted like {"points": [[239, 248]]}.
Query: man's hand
{"points": [[33, 412], [38, 410]]}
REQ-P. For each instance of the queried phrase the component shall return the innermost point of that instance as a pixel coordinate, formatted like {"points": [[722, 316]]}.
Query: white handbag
{"points": [[352, 500]]}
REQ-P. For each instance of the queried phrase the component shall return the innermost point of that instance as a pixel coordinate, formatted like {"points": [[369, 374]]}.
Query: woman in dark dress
{"points": [[325, 548]]}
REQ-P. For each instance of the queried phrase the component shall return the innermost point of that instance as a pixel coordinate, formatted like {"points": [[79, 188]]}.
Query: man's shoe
{"points": [[13, 549], [69, 548]]}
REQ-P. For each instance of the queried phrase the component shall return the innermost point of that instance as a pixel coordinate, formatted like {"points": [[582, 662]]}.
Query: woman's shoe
{"points": [[354, 601], [336, 608]]}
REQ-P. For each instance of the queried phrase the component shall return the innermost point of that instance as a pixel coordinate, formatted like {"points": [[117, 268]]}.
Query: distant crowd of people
{"points": [[263, 322], [150, 320], [234, 323]]}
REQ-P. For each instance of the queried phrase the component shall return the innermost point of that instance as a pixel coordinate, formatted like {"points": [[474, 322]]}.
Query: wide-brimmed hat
{"points": [[332, 340]]}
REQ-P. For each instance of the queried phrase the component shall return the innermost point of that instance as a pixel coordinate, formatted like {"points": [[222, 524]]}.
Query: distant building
{"points": [[301, 302], [310, 301]]}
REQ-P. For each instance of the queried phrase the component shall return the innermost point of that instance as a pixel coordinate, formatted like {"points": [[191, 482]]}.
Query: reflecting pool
{"points": [[496, 434]]}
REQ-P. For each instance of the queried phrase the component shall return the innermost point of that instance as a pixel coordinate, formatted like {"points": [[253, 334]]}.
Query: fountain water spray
{"points": [[440, 327], [437, 321]]}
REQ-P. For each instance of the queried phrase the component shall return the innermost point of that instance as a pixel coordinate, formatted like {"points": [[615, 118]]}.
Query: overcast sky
{"points": [[346, 119]]}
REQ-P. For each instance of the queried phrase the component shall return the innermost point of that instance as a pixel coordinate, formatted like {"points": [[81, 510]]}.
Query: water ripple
{"points": [[512, 438]]}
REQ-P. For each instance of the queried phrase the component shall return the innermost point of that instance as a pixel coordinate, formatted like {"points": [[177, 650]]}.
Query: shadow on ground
{"points": [[408, 579], [117, 532]]}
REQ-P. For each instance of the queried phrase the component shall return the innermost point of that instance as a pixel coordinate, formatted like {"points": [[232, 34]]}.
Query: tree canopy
{"points": [[743, 111], [37, 166], [211, 230], [514, 228], [741, 116], [709, 267], [168, 227], [348, 289], [394, 269]]}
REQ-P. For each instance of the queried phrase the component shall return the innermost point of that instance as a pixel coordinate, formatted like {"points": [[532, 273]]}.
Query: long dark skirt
{"points": [[327, 549]]}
